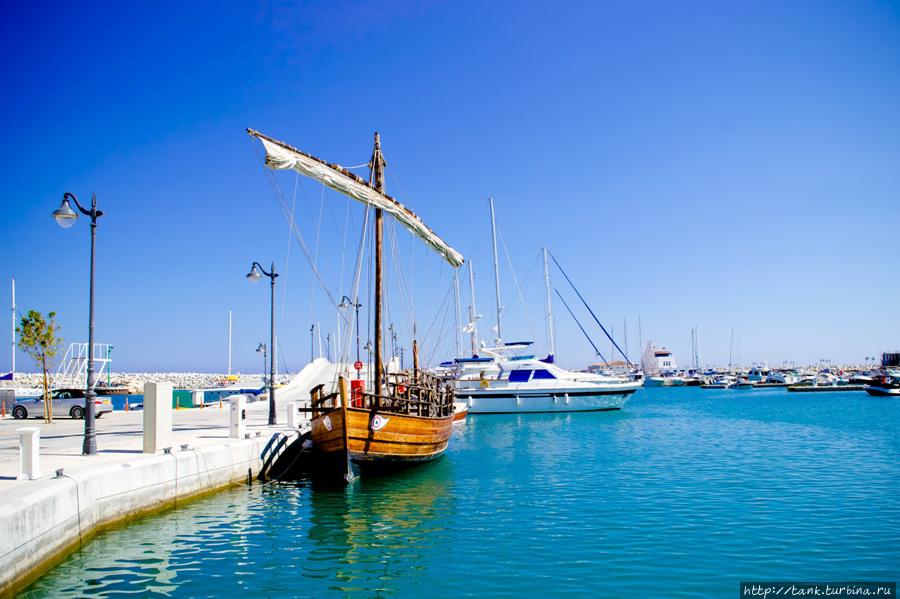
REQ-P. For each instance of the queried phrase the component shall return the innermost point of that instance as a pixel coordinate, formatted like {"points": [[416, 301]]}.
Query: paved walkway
{"points": [[120, 438]]}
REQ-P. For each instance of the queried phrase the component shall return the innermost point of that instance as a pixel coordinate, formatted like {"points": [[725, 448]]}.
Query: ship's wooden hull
{"points": [[400, 438]]}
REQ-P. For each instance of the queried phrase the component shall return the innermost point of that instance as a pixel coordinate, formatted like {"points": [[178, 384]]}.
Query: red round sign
{"points": [[357, 365]]}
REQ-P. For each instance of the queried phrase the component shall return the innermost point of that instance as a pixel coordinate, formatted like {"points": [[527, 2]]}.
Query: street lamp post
{"points": [[66, 217], [255, 274]]}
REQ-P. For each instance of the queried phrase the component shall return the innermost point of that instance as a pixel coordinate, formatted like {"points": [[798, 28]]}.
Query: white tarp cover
{"points": [[282, 157]]}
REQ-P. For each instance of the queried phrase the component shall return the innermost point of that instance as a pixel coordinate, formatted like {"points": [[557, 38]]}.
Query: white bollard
{"points": [[157, 416], [29, 453], [292, 414], [237, 417]]}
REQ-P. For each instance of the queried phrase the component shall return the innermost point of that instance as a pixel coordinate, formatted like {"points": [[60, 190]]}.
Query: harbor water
{"points": [[685, 493]]}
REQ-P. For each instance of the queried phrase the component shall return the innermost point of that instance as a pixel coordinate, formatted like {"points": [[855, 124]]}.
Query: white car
{"points": [[66, 402]]}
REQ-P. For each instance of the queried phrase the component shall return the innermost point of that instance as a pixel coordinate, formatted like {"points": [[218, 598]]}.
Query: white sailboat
{"points": [[509, 378]]}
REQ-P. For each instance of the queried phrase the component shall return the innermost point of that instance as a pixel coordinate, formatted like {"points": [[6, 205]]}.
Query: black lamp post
{"points": [[255, 274], [66, 217]]}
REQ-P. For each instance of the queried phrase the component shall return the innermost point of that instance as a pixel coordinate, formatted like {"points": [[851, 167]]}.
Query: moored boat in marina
{"points": [[886, 387], [664, 381], [888, 383], [720, 382], [410, 424], [407, 418], [522, 383]]}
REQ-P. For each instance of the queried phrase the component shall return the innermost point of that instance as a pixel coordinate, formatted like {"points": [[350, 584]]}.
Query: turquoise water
{"points": [[683, 494]]}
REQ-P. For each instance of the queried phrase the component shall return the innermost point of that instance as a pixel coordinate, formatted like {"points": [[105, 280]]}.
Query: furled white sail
{"points": [[280, 156]]}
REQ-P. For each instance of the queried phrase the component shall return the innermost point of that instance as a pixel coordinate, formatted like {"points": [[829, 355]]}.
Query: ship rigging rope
{"points": [[400, 280], [354, 293], [296, 230], [405, 285], [444, 320], [586, 336], [516, 281], [441, 311], [312, 288], [525, 283], [344, 245], [287, 259], [597, 320]]}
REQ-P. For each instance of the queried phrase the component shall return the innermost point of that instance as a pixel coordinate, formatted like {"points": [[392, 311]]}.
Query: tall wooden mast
{"points": [[376, 180]]}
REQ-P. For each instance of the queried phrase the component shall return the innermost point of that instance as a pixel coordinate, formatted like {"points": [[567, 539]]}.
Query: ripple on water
{"points": [[684, 494]]}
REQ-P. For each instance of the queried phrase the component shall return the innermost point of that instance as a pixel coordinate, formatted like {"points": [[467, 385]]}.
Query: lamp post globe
{"points": [[64, 215], [254, 275]]}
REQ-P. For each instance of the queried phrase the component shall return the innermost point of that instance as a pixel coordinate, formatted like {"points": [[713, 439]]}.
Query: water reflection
{"points": [[379, 529]]}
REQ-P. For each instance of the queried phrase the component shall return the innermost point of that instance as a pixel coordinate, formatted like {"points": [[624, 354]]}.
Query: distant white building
{"points": [[657, 359]]}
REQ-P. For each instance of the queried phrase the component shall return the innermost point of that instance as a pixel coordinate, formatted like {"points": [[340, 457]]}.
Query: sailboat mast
{"points": [[641, 341], [229, 343], [458, 335], [13, 349], [377, 182], [551, 338], [697, 342], [472, 317], [731, 349], [496, 272], [693, 351]]}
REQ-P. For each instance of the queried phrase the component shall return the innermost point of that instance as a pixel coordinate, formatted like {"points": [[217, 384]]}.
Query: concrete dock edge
{"points": [[45, 520]]}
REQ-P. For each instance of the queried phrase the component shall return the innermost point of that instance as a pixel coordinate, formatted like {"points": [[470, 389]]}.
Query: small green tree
{"points": [[38, 338]]}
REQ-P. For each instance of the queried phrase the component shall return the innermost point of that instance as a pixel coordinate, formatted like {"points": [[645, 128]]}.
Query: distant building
{"points": [[657, 359], [614, 367]]}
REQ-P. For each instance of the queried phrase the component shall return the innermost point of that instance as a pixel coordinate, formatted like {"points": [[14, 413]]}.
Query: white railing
{"points": [[72, 369]]}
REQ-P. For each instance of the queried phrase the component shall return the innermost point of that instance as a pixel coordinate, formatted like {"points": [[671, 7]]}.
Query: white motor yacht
{"points": [[504, 380]]}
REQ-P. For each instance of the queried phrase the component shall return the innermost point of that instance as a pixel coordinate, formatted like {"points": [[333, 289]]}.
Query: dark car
{"points": [[66, 402]]}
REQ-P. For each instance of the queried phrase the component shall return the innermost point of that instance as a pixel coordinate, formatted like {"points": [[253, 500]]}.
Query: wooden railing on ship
{"points": [[419, 395]]}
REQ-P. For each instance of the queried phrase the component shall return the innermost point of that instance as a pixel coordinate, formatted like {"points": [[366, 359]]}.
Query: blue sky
{"points": [[729, 166]]}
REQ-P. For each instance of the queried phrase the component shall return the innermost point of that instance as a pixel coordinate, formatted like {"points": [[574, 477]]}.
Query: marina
{"points": [[698, 468], [450, 300], [376, 427]]}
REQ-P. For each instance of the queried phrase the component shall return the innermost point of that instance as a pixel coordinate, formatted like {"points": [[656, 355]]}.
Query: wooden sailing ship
{"points": [[407, 418]]}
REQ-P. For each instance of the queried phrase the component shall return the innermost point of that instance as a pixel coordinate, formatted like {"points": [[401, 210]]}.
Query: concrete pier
{"points": [[44, 520]]}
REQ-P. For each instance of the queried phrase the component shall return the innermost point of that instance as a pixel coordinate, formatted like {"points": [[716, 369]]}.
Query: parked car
{"points": [[66, 402]]}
